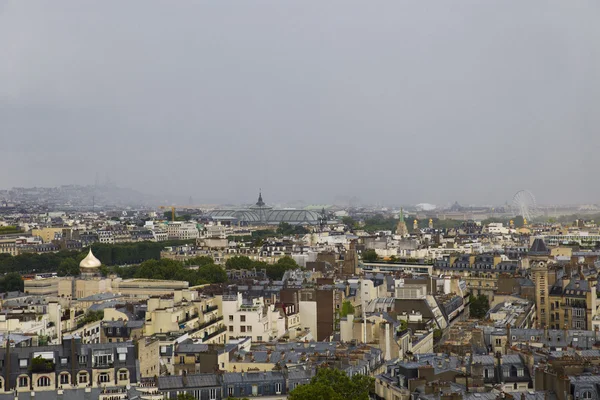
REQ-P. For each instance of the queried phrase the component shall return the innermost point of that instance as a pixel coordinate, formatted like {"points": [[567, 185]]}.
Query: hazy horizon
{"points": [[390, 102]]}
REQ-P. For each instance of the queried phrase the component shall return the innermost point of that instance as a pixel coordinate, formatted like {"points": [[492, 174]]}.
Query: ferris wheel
{"points": [[524, 204]]}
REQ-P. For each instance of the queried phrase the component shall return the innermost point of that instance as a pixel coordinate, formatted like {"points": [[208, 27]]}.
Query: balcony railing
{"points": [[211, 308], [215, 333], [209, 323]]}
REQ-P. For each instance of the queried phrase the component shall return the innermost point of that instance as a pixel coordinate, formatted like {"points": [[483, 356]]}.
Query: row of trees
{"points": [[274, 271], [11, 282], [167, 269], [108, 254], [287, 229], [10, 229]]}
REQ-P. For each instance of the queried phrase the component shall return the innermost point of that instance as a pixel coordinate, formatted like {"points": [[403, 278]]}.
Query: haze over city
{"points": [[401, 102]]}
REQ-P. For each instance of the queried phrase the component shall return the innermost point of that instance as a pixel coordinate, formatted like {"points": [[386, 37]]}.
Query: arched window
{"points": [[43, 381], [23, 381], [65, 378], [82, 378], [586, 394]]}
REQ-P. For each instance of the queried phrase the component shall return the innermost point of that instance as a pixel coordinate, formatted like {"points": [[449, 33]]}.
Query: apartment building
{"points": [[182, 230], [69, 365], [254, 319]]}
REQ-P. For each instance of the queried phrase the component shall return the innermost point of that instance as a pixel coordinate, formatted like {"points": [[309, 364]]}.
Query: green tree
{"points": [[369, 255], [91, 316], [379, 223], [349, 222], [519, 221], [479, 306], [238, 262], [276, 271], [68, 267], [211, 273], [347, 308], [333, 384], [403, 325], [200, 260], [11, 282]]}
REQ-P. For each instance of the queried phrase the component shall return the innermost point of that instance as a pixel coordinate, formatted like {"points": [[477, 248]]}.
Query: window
{"points": [[498, 342], [181, 359], [278, 388], [23, 363], [249, 328], [212, 394], [242, 328], [586, 394], [520, 372], [64, 379], [23, 381], [123, 375], [230, 328], [122, 357], [230, 391], [103, 358], [231, 318], [104, 377], [64, 361], [242, 318], [43, 381], [83, 378], [259, 338]]}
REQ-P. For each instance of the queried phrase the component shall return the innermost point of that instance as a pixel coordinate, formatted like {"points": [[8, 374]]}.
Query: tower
{"points": [[537, 259], [260, 208], [401, 229]]}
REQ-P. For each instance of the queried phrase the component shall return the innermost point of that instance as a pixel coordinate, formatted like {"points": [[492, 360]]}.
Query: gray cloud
{"points": [[391, 101]]}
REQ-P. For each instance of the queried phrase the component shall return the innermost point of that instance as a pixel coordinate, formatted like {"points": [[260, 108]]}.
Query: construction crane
{"points": [[172, 211]]}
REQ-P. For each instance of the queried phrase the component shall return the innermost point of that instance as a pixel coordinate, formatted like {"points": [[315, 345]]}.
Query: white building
{"points": [[182, 230], [497, 228], [160, 235], [255, 320]]}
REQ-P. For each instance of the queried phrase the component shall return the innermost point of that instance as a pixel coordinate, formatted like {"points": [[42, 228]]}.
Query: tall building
{"points": [[537, 260], [401, 229]]}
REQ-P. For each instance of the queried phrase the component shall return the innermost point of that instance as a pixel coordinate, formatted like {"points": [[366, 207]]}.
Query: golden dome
{"points": [[90, 261]]}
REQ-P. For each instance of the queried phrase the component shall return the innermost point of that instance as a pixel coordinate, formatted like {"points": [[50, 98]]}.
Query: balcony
{"points": [[215, 333], [211, 308], [209, 323]]}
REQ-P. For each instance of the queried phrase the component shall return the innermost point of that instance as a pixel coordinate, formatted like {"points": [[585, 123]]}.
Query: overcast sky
{"points": [[389, 101]]}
